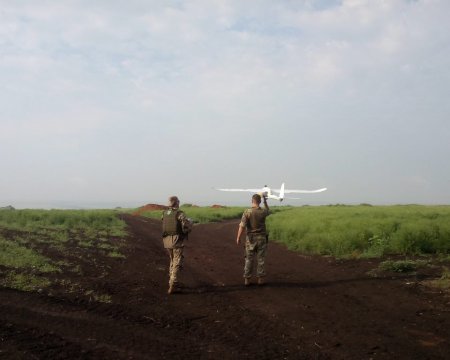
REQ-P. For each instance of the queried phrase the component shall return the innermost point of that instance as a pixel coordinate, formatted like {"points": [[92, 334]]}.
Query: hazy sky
{"points": [[133, 101]]}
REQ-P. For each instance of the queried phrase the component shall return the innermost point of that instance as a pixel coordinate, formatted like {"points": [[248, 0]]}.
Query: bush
{"points": [[402, 266]]}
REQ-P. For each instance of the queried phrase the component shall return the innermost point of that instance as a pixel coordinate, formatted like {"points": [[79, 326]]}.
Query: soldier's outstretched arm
{"points": [[265, 203]]}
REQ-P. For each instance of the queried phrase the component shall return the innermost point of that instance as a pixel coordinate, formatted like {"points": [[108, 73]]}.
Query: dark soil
{"points": [[310, 308]]}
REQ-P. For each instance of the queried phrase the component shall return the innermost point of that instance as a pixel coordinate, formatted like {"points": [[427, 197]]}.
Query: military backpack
{"points": [[171, 225]]}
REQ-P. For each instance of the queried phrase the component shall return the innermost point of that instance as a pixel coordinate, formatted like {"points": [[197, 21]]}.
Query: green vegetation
{"points": [[24, 281], [210, 214], [96, 221], [203, 214], [364, 231], [116, 254], [402, 266], [16, 256], [341, 231], [26, 236], [28, 267], [102, 298], [87, 228], [441, 284], [348, 231]]}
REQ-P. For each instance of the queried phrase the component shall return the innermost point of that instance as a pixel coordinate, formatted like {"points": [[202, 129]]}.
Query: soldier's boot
{"points": [[247, 281], [261, 281], [171, 289]]}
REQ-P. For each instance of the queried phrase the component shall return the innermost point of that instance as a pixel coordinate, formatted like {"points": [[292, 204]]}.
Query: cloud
{"points": [[317, 79]]}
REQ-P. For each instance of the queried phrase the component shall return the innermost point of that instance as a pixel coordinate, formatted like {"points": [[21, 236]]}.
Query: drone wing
{"points": [[286, 191], [244, 190]]}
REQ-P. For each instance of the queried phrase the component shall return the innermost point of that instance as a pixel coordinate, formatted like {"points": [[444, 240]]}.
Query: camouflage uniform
{"points": [[254, 220], [173, 238]]}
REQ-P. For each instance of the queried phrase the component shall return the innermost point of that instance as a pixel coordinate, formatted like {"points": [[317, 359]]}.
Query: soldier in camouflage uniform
{"points": [[254, 221], [173, 238]]}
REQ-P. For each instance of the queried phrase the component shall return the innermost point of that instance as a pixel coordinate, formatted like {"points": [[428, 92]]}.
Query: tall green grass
{"points": [[203, 214], [209, 214], [370, 231], [105, 221]]}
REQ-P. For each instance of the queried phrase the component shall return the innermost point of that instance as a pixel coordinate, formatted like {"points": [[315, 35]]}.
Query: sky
{"points": [[113, 102]]}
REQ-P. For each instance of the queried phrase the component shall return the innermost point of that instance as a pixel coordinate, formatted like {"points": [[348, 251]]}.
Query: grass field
{"points": [[367, 231], [348, 231], [340, 231], [203, 214], [105, 221], [208, 214], [24, 233]]}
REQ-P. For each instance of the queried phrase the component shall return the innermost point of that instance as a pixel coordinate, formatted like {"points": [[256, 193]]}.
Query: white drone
{"points": [[269, 193]]}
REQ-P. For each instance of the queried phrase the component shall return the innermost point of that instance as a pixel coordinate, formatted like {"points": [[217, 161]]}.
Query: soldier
{"points": [[254, 220], [173, 237]]}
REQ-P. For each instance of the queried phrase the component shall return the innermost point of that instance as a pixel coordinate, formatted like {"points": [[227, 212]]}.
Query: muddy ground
{"points": [[311, 307]]}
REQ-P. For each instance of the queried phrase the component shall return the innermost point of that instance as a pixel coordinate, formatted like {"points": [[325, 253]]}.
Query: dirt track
{"points": [[311, 308]]}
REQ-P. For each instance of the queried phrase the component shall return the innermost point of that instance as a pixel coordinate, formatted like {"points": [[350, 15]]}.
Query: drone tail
{"points": [[281, 195]]}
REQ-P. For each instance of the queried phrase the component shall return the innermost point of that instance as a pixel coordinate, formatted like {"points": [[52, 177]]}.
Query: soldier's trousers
{"points": [[176, 263], [255, 245]]}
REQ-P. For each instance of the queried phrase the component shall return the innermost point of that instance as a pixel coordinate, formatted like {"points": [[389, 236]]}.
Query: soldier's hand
{"points": [[238, 240]]}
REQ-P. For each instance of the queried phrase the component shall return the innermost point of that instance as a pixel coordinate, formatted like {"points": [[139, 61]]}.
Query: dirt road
{"points": [[311, 308]]}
